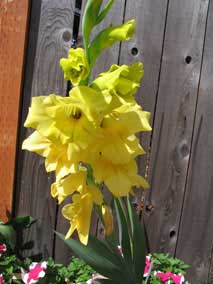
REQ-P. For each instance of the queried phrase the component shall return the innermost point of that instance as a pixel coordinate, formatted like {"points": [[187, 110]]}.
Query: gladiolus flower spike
{"points": [[94, 128]]}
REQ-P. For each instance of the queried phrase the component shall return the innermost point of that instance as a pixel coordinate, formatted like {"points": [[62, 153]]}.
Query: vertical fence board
{"points": [[174, 119], [13, 22], [33, 188], [195, 242], [150, 19]]}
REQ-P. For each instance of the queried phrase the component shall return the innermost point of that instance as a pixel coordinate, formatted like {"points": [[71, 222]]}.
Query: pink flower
{"points": [[178, 278], [1, 279], [3, 248], [36, 271], [170, 278], [147, 266]]}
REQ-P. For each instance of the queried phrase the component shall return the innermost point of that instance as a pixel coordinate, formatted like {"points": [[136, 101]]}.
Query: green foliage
{"points": [[10, 265], [124, 236], [92, 17], [76, 272], [165, 263], [104, 255], [98, 255], [80, 271], [11, 261], [7, 233], [139, 245], [11, 232]]}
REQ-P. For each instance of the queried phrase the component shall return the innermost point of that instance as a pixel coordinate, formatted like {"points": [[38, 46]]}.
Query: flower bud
{"points": [[75, 67]]}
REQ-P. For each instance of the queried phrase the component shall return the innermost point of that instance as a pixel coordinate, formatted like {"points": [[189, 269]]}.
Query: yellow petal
{"points": [[37, 143], [79, 214], [68, 185], [120, 80]]}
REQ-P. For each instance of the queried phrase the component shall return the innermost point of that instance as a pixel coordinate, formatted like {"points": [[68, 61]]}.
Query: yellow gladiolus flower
{"points": [[57, 156], [73, 120], [79, 212], [108, 219], [115, 148], [118, 150], [119, 178], [75, 67], [68, 185], [126, 121], [120, 80]]}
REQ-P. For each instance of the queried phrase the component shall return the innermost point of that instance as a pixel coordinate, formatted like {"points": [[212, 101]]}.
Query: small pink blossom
{"points": [[178, 278], [3, 248], [1, 279], [170, 278], [36, 271], [147, 265]]}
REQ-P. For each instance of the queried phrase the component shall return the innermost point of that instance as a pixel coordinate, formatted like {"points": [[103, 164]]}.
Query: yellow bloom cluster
{"points": [[95, 126]]}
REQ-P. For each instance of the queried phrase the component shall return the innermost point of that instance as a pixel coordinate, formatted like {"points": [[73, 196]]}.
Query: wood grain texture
{"points": [[195, 240], [33, 192], [174, 117], [13, 22], [150, 19]]}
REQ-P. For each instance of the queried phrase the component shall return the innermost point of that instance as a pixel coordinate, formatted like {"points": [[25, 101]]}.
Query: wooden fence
{"points": [[174, 40]]}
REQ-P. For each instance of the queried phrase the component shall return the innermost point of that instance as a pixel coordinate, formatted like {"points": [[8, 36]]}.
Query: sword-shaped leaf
{"points": [[99, 257], [139, 243]]}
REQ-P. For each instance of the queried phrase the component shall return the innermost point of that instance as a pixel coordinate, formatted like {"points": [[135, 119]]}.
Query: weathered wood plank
{"points": [[195, 241], [13, 22], [33, 192], [146, 46], [174, 119]]}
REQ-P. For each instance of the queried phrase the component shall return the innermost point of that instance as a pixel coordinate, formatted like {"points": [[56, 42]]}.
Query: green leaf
{"points": [[92, 17], [23, 222], [104, 11], [99, 257], [124, 237], [91, 12], [9, 235], [139, 243]]}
